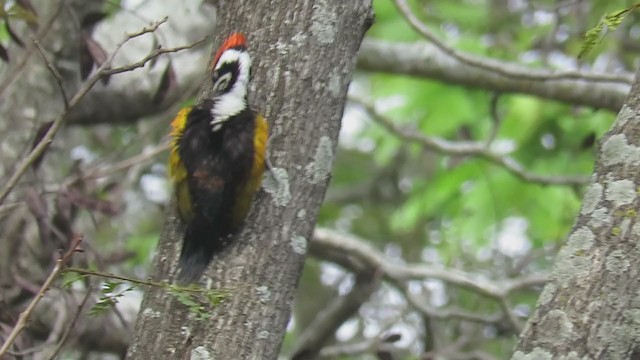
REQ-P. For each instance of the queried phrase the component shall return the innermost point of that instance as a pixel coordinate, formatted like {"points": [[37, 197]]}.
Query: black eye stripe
{"points": [[230, 70], [228, 67], [223, 82]]}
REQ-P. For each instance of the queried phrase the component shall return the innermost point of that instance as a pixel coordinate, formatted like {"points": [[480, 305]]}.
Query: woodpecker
{"points": [[216, 160]]}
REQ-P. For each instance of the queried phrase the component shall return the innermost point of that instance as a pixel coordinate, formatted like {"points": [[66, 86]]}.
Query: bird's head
{"points": [[231, 69]]}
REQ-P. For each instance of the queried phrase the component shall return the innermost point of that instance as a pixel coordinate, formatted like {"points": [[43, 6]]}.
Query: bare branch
{"points": [[327, 321], [152, 55], [357, 255], [421, 28], [450, 312], [24, 316], [54, 71], [428, 61], [13, 75], [96, 172], [72, 323], [472, 148], [103, 70]]}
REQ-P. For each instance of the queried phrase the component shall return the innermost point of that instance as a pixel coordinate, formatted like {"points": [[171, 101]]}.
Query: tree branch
{"points": [[132, 94], [423, 30], [428, 61], [327, 321], [357, 255], [44, 30], [103, 70], [24, 316], [72, 323], [471, 148]]}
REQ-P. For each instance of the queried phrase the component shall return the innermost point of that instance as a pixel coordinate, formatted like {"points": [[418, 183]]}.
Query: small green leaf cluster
{"points": [[608, 23], [109, 295], [197, 299]]}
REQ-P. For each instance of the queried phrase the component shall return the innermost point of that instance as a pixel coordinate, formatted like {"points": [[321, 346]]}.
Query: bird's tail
{"points": [[201, 241]]}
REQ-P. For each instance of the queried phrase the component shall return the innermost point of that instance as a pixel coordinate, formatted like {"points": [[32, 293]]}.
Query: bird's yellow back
{"points": [[177, 171], [245, 193]]}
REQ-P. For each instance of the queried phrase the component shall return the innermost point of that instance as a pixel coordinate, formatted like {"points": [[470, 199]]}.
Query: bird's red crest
{"points": [[234, 40]]}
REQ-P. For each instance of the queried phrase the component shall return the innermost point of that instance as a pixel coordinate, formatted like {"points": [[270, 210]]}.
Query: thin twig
{"points": [[97, 172], [153, 54], [515, 323], [323, 327], [54, 71], [496, 121], [75, 318], [9, 208], [24, 316], [29, 351], [450, 312], [352, 252], [115, 277], [188, 289], [103, 69], [424, 30], [13, 74], [473, 148]]}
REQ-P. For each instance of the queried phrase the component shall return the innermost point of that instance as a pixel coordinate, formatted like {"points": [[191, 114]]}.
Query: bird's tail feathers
{"points": [[199, 245]]}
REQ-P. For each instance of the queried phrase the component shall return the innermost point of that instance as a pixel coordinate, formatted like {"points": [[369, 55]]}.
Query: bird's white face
{"points": [[230, 80]]}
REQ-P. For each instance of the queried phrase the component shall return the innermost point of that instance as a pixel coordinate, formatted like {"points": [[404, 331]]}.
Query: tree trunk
{"points": [[304, 53], [590, 309], [30, 97]]}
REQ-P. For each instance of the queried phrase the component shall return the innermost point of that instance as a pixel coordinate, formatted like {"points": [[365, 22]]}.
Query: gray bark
{"points": [[29, 97], [590, 308], [304, 53]]}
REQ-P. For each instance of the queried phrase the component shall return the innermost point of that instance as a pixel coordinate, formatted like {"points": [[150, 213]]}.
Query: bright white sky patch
{"points": [[330, 274], [353, 121], [83, 154], [512, 239], [503, 146], [347, 330], [437, 291], [155, 188]]}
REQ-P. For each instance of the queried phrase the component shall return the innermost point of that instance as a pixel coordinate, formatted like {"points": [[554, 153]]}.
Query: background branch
{"points": [[53, 275], [104, 70], [425, 60], [479, 149], [357, 255]]}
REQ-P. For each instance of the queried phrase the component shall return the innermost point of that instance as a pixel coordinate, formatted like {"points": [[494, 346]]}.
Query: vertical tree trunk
{"points": [[304, 53], [591, 307]]}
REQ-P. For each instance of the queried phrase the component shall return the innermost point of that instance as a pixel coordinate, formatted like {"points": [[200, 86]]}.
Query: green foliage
{"points": [[388, 25], [70, 278], [141, 245], [20, 13], [109, 295], [608, 23], [110, 7], [402, 197], [197, 299]]}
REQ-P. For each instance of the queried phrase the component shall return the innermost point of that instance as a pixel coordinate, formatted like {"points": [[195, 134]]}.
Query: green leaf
{"points": [[591, 38], [612, 20], [197, 299], [109, 286], [70, 278], [608, 23]]}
